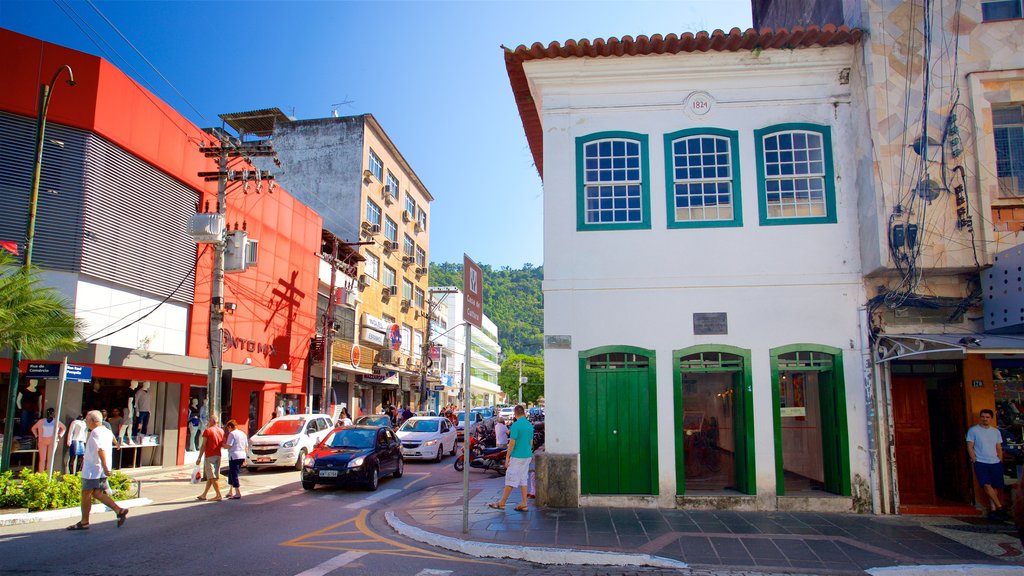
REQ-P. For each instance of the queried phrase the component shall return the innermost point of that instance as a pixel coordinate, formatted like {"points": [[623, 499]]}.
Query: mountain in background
{"points": [[512, 300]]}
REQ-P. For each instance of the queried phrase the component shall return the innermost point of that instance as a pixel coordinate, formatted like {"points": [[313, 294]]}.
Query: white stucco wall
{"points": [[105, 308], [779, 285]]}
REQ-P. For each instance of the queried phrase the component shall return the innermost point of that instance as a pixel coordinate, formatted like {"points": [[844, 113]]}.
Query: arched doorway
{"points": [[618, 421], [714, 419], [811, 436]]}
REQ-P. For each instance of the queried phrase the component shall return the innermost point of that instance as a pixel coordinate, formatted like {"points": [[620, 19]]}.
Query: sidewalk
{"points": [[754, 541]]}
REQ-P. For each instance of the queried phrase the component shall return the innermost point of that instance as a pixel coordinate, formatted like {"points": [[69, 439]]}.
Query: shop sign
{"points": [[793, 412], [375, 323], [357, 355], [372, 337], [229, 341], [381, 377], [438, 387]]}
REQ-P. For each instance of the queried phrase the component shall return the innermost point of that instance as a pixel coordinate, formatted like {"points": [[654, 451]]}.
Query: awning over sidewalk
{"points": [[899, 346]]}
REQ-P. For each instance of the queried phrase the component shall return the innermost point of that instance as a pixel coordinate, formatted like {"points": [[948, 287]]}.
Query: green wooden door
{"points": [[833, 432], [743, 448], [617, 425]]}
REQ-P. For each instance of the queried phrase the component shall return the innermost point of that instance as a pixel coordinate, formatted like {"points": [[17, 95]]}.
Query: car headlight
{"points": [[308, 462], [356, 462], [430, 442], [290, 443]]}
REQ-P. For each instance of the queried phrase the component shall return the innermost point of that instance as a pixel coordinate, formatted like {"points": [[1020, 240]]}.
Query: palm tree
{"points": [[34, 321]]}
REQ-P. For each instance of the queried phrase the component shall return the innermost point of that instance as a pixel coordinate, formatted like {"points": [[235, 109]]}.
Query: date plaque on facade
{"points": [[557, 342], [706, 323]]}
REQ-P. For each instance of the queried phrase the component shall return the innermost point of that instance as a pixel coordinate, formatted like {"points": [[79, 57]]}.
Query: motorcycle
{"points": [[481, 457]]}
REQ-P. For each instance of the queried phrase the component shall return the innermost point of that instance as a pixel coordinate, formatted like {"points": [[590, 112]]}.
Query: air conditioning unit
{"points": [[388, 190], [406, 216], [388, 199], [364, 280], [390, 246], [367, 174], [345, 297], [406, 304], [385, 356], [406, 260], [418, 227], [392, 290], [365, 225], [421, 271], [375, 229]]}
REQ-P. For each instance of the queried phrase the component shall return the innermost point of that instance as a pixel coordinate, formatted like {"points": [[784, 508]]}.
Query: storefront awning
{"points": [[899, 346]]}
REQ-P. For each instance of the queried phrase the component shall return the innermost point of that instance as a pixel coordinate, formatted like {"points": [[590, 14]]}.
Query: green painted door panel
{"points": [[615, 419]]}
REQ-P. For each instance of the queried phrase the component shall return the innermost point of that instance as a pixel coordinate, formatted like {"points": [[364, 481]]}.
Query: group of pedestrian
{"points": [[214, 439]]}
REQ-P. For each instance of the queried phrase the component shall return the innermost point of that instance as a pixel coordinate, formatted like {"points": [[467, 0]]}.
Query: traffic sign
{"points": [[473, 292]]}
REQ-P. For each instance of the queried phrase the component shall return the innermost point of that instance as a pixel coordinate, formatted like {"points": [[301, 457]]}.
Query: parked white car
{"points": [[507, 413], [285, 441], [427, 437]]}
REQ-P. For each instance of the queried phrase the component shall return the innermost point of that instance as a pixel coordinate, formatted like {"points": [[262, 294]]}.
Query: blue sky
{"points": [[432, 73]]}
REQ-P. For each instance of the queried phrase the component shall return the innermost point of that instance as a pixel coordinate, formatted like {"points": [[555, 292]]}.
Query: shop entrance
{"points": [[811, 436], [928, 410], [618, 423], [713, 420]]}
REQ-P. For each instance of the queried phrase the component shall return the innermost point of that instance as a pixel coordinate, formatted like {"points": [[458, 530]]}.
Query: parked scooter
{"points": [[480, 457]]}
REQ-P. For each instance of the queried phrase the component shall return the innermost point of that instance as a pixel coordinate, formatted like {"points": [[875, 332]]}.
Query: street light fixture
{"points": [[45, 92]]}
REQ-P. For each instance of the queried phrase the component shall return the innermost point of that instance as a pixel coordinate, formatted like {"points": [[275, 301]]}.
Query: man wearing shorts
{"points": [[95, 469], [213, 439], [985, 447], [517, 459]]}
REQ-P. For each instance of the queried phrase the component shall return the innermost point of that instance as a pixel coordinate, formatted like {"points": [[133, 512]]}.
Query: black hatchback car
{"points": [[354, 455]]}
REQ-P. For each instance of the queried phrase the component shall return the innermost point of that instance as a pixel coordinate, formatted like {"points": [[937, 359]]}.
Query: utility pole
{"points": [[329, 330], [520, 364], [228, 148]]}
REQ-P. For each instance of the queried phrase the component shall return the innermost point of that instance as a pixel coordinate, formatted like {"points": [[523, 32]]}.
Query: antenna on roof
{"points": [[334, 107]]}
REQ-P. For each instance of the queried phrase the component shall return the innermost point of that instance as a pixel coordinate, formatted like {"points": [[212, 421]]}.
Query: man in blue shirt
{"points": [[985, 447], [517, 459]]}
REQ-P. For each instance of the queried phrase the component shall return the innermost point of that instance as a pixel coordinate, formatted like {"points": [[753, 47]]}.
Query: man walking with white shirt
{"points": [[985, 447], [96, 469]]}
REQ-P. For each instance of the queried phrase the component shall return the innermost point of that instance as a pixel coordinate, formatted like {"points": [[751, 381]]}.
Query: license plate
{"points": [[263, 460], [328, 473]]}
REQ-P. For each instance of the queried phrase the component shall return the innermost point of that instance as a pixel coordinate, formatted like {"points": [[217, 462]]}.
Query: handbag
{"points": [[197, 475]]}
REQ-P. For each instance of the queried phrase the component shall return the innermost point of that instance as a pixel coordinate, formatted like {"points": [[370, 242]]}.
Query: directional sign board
{"points": [[48, 370], [473, 292]]}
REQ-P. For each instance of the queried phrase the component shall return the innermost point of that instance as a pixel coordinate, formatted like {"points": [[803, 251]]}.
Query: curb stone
{"points": [[538, 555], [948, 570], [47, 515]]}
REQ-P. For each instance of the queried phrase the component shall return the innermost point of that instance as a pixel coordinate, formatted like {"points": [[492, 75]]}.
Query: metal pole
{"points": [[45, 91], [466, 395], [520, 382], [213, 381], [56, 427], [328, 329]]}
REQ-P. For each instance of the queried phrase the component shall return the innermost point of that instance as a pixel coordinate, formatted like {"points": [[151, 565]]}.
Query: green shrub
{"points": [[33, 490]]}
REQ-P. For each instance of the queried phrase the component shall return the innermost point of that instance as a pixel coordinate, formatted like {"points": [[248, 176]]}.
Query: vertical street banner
{"points": [[473, 292]]}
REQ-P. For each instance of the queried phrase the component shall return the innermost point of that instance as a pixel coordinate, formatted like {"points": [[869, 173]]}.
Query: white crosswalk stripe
{"points": [[381, 495], [333, 564], [433, 572]]}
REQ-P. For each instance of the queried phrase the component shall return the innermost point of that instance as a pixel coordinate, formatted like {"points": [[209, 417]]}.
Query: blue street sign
{"points": [[77, 373], [43, 371], [47, 370]]}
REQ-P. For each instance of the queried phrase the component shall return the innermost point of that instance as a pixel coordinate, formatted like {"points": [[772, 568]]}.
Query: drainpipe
{"points": [[870, 374]]}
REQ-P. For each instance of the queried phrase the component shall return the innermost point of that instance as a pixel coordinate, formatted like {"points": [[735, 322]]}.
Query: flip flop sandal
{"points": [[78, 526], [521, 509], [495, 505], [200, 497], [121, 517]]}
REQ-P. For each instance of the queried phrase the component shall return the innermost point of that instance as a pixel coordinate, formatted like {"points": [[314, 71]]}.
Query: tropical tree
{"points": [[34, 318], [533, 371]]}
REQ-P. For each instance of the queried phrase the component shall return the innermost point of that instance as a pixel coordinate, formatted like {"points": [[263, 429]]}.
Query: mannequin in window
{"points": [[142, 407], [28, 402], [193, 424], [76, 444], [46, 432]]}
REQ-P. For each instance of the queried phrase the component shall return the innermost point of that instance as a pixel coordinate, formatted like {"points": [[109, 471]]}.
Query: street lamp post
{"points": [[45, 91]]}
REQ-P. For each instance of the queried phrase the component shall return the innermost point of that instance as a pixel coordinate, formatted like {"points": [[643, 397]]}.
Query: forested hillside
{"points": [[512, 300]]}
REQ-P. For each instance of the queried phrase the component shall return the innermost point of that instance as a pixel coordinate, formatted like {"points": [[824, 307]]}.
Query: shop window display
{"points": [[1008, 381]]}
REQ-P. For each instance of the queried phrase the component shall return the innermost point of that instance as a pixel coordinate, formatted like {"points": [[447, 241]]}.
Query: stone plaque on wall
{"points": [[557, 342], [705, 323]]}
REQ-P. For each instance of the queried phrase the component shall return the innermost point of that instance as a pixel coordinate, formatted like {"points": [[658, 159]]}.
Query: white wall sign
{"points": [[698, 104], [375, 323], [372, 337]]}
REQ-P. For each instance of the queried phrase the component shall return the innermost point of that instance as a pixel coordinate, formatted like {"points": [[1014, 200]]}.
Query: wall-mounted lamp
{"points": [[934, 148], [247, 361], [283, 367], [230, 307]]}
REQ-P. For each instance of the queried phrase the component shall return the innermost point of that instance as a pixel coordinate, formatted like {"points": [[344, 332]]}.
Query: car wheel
{"points": [[400, 469], [440, 450], [298, 461], [308, 485], [373, 480]]}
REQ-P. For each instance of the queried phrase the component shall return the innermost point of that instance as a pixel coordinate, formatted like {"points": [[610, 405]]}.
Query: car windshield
{"points": [[351, 438], [281, 428], [419, 426], [374, 420]]}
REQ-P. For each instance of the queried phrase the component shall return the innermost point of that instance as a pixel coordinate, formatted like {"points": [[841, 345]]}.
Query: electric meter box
{"points": [[206, 228], [236, 249]]}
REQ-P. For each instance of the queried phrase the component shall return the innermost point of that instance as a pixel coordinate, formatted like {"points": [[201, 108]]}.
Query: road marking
{"points": [[333, 564], [433, 572], [422, 476], [9, 538], [341, 536], [371, 499]]}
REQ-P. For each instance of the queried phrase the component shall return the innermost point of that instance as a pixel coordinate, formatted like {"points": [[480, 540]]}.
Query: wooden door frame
{"points": [[746, 390], [652, 397]]}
